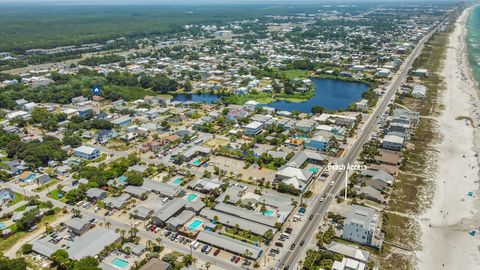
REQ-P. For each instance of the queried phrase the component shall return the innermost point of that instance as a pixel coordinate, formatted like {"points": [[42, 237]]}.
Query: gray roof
{"points": [[169, 209], [229, 244], [95, 192], [246, 214], [85, 149], [190, 152], [92, 242], [364, 216], [136, 191], [205, 184], [231, 221], [117, 202], [159, 187], [77, 223], [181, 219], [195, 206], [302, 156], [43, 247], [141, 211], [348, 251], [136, 249], [379, 175]]}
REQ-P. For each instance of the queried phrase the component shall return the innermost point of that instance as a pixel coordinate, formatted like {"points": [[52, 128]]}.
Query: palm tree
{"points": [[149, 245], [159, 239], [76, 212], [208, 265], [133, 232], [108, 224]]}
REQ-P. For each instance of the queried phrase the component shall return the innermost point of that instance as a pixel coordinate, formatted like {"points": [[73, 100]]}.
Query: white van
{"points": [[165, 200]]}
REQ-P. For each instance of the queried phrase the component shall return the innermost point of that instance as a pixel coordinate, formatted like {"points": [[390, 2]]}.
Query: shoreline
{"points": [[445, 226]]}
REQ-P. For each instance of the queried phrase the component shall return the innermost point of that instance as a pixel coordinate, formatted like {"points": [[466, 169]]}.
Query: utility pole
{"points": [[346, 183]]}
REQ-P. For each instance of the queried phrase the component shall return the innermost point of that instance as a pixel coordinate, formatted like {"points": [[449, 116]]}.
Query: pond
{"points": [[331, 94]]}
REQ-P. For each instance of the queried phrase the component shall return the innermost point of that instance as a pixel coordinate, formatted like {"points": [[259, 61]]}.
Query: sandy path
{"points": [[445, 227]]}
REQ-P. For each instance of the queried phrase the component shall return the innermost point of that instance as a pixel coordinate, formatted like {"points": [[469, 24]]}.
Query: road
{"points": [[320, 208]]}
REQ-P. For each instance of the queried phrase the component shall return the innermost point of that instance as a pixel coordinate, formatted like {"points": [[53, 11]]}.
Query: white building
{"points": [[393, 142]]}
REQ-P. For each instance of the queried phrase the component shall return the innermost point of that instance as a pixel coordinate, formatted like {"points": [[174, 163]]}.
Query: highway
{"points": [[319, 209]]}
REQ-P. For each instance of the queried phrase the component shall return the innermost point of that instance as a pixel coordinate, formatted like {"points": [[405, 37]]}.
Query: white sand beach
{"points": [[446, 241]]}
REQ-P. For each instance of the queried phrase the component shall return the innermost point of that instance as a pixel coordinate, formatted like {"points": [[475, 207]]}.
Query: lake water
{"points": [[329, 93]]}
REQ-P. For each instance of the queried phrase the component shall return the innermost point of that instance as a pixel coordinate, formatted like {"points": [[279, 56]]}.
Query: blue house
{"points": [[86, 152], [6, 195], [85, 111], [318, 143], [105, 135]]}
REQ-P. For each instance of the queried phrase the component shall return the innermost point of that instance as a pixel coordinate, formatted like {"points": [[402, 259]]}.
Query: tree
{"points": [[188, 259], [12, 264], [86, 263], [72, 140], [60, 259], [208, 265], [26, 249], [76, 212], [268, 235], [135, 179]]}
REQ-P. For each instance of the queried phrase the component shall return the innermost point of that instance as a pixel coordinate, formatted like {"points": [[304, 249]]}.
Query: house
{"points": [[42, 179], [361, 105], [137, 192], [163, 189], [393, 142], [388, 157], [419, 91], [15, 167], [141, 212], [194, 151], [175, 223], [116, 202], [362, 225], [236, 113], [122, 121], [305, 125], [156, 264], [253, 128], [251, 105], [378, 179], [204, 185], [318, 143], [86, 152], [229, 244], [92, 243], [348, 251], [170, 209], [299, 159], [298, 178], [420, 72], [96, 194], [371, 193], [231, 195], [348, 264], [135, 249], [6, 195], [104, 135], [84, 111], [78, 226]]}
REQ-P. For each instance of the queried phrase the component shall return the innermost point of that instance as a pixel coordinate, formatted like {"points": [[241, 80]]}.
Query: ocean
{"points": [[473, 42]]}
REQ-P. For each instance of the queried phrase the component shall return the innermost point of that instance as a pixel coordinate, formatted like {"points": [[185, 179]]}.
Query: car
{"points": [[167, 234], [157, 230], [152, 229], [310, 217], [289, 230], [237, 259], [233, 258], [302, 242], [286, 267], [216, 252], [322, 199], [204, 248], [275, 250], [332, 183], [292, 247], [279, 244], [209, 248]]}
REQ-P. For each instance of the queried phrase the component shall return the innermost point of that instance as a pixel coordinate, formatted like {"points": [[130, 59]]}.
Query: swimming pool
{"points": [[29, 178], [313, 170], [2, 226], [119, 263], [191, 197], [122, 178], [177, 181], [196, 162], [195, 224], [268, 213]]}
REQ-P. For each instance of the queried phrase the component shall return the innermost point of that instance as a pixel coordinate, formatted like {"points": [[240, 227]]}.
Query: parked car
{"points": [[237, 259], [216, 252], [233, 258], [292, 247]]}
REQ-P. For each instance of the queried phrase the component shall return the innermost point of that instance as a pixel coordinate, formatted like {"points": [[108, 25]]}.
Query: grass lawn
{"points": [[42, 205], [47, 185], [9, 242], [295, 73], [101, 158], [253, 239], [54, 195], [18, 198]]}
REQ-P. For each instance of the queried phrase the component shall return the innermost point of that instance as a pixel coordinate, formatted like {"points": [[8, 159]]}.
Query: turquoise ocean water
{"points": [[473, 42]]}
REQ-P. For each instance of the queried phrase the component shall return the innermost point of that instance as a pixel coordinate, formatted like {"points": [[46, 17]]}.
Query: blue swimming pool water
{"points": [[313, 169], [196, 162], [191, 197], [268, 213], [30, 178], [195, 224], [177, 181], [122, 178], [2, 226], [120, 263]]}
